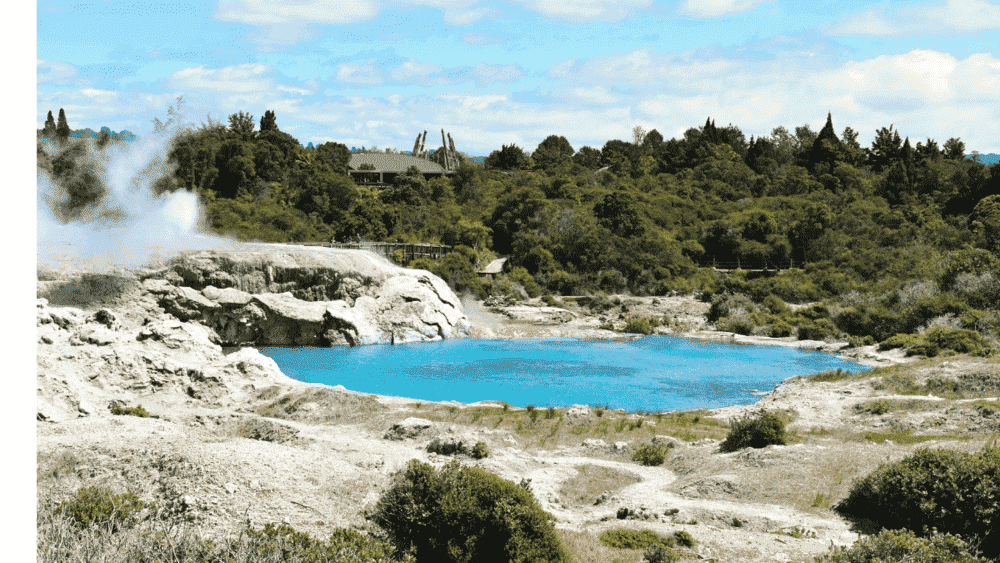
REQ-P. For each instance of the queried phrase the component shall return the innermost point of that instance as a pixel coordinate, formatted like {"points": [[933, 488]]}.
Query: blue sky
{"points": [[371, 72]]}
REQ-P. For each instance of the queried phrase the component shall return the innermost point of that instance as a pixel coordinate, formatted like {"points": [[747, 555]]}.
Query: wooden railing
{"points": [[410, 250]]}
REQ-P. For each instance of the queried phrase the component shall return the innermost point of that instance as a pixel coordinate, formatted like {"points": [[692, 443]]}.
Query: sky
{"points": [[378, 72]]}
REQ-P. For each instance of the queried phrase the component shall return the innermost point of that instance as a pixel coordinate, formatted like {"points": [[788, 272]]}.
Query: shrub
{"points": [[651, 454], [953, 492], [344, 544], [550, 301], [465, 514], [781, 329], [684, 539], [740, 325], [99, 507], [550, 413], [728, 305], [816, 330], [754, 431], [624, 538], [892, 546], [660, 554], [479, 451], [960, 340], [131, 411], [638, 325], [900, 341]]}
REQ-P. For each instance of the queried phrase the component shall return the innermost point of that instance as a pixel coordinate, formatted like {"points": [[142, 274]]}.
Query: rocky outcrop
{"points": [[286, 296]]}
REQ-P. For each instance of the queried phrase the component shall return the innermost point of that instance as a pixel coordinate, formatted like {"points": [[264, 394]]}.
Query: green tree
{"points": [[588, 157], [268, 122], [552, 152], [825, 149], [954, 149], [242, 125], [62, 128], [49, 129], [985, 223], [509, 157], [619, 213], [885, 149], [234, 161]]}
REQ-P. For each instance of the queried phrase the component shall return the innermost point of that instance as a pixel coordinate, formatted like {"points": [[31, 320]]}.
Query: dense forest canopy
{"points": [[892, 236]]}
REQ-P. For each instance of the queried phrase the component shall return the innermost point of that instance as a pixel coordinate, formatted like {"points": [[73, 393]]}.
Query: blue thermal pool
{"points": [[655, 373]]}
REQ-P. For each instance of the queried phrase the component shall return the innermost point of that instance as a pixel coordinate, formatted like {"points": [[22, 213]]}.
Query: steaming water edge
{"points": [[654, 373]]}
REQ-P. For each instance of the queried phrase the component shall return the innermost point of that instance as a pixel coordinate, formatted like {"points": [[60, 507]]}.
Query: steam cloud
{"points": [[103, 214]]}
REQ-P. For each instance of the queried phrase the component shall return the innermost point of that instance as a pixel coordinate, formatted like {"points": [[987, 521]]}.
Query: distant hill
{"points": [[988, 158]]}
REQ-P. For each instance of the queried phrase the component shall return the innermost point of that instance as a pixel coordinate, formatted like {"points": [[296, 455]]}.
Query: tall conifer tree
{"points": [[62, 129], [49, 129]]}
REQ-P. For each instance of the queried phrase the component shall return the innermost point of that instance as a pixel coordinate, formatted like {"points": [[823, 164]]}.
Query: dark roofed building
{"points": [[386, 166]]}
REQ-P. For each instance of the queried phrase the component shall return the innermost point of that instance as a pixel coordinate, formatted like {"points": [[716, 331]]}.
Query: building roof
{"points": [[494, 267], [393, 162]]}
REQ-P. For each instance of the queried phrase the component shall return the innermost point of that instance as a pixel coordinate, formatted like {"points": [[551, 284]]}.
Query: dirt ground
{"points": [[317, 457]]}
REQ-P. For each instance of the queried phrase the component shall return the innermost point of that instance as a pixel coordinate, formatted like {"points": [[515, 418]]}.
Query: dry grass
{"points": [[592, 480], [551, 428], [584, 547]]}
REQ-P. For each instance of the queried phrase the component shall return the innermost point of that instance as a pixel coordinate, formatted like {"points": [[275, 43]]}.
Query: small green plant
{"points": [[624, 538], [599, 412], [755, 431], [550, 301], [550, 413], [660, 554], [532, 413], [890, 546], [836, 375], [684, 539], [877, 407], [821, 500], [651, 454], [621, 424], [638, 325], [100, 507], [130, 411], [479, 451]]}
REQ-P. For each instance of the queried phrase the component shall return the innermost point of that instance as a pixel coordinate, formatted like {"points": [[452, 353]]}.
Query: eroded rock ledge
{"points": [[275, 295]]}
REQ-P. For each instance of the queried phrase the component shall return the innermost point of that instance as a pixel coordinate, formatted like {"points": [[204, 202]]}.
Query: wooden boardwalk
{"points": [[410, 250]]}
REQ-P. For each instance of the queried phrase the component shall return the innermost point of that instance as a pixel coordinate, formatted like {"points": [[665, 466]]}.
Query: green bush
{"points": [[479, 451], [960, 340], [739, 325], [624, 538], [684, 539], [953, 492], [343, 545], [550, 301], [131, 411], [99, 507], [902, 546], [781, 329], [816, 329], [660, 554], [651, 454], [638, 325], [465, 514], [900, 341], [754, 431]]}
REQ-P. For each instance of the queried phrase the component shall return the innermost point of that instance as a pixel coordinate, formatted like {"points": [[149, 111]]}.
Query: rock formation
{"points": [[275, 295]]}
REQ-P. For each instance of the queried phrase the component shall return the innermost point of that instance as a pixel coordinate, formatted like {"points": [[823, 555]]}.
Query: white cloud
{"points": [[925, 93], [414, 72], [946, 18], [244, 78], [710, 9], [57, 73], [586, 11], [480, 39], [491, 74], [360, 74], [329, 12]]}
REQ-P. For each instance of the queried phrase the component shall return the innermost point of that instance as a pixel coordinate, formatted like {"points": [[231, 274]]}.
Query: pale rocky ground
{"points": [[330, 459]]}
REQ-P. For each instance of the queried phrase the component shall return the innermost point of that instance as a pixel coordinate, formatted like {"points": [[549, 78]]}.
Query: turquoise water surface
{"points": [[655, 373]]}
